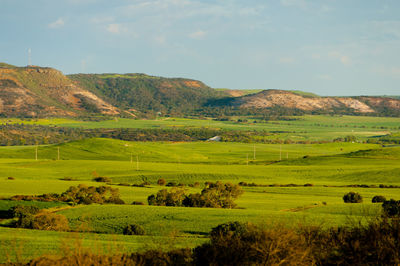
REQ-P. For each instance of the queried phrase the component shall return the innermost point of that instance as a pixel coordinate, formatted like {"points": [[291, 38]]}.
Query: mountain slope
{"points": [[39, 91], [311, 103], [144, 93]]}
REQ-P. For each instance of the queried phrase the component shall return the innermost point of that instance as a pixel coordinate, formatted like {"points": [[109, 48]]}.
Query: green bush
{"points": [[214, 195], [352, 197], [20, 211], [134, 229], [377, 199]]}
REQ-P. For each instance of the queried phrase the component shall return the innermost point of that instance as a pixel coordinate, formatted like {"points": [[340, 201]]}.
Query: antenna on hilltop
{"points": [[29, 57]]}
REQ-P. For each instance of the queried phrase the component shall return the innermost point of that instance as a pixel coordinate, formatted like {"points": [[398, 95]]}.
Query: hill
{"points": [[148, 94], [311, 103], [34, 91]]}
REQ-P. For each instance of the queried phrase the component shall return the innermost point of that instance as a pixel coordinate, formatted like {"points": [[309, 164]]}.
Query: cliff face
{"points": [[38, 91], [290, 100]]}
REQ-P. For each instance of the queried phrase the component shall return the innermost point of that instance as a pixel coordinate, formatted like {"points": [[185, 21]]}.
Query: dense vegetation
{"points": [[81, 194], [214, 195], [148, 94]]}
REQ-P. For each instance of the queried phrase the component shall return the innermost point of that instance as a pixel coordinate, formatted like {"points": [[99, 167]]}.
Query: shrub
{"points": [[244, 244], [161, 182], [134, 229], [102, 179], [352, 197], [20, 211], [173, 197], [215, 195], [50, 221], [391, 208], [377, 199], [10, 178]]}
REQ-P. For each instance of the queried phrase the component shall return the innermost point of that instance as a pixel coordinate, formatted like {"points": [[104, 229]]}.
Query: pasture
{"points": [[329, 167]]}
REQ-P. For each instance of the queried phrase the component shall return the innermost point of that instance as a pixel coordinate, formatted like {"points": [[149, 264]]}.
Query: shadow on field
{"points": [[196, 233]]}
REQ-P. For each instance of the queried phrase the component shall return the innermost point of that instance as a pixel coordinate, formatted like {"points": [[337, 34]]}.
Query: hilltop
{"points": [[34, 91], [311, 103], [144, 93]]}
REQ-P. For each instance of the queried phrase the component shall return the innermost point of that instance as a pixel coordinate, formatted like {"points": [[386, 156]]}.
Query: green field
{"points": [[329, 167], [304, 128]]}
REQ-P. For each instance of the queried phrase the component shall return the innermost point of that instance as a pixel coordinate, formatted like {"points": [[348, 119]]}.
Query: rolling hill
{"points": [[144, 93], [34, 91], [311, 103]]}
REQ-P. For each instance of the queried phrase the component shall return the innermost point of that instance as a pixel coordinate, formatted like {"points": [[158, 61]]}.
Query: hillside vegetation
{"points": [[148, 94]]}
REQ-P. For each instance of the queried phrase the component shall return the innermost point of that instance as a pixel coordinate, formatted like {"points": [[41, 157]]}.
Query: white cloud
{"points": [[344, 59], [115, 28], [198, 35], [57, 24], [286, 60]]}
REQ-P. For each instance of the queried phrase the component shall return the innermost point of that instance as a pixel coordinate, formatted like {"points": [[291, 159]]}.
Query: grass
{"points": [[304, 128], [333, 164]]}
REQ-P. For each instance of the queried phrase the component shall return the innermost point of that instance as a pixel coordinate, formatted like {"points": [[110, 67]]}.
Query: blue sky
{"points": [[329, 47]]}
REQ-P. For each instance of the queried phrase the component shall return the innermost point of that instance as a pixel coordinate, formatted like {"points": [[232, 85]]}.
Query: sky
{"points": [[328, 47]]}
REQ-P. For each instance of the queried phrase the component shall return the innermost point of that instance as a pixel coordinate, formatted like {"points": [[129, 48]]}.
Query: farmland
{"points": [[280, 171]]}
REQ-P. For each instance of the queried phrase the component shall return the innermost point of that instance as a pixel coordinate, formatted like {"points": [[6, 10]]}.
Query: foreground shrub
{"points": [[376, 243], [241, 244], [391, 208], [377, 199], [134, 229], [352, 197]]}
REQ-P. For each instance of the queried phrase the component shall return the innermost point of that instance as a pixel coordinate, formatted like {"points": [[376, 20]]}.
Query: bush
{"points": [[137, 203], [215, 195], [102, 179], [377, 199], [161, 182], [134, 229], [10, 178], [391, 208], [20, 211], [50, 221], [352, 197], [244, 244]]}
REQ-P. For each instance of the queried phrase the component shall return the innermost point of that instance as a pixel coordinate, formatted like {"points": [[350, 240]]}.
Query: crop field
{"points": [[301, 128], [294, 183]]}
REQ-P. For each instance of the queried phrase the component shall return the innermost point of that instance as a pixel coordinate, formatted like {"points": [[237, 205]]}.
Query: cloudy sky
{"points": [[329, 47]]}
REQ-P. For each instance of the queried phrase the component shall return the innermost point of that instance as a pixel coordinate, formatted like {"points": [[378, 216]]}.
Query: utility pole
{"points": [[280, 153], [58, 153], [137, 162], [247, 159], [36, 152], [254, 152]]}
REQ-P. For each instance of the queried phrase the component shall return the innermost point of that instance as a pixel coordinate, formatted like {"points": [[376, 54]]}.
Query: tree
{"points": [[352, 197]]}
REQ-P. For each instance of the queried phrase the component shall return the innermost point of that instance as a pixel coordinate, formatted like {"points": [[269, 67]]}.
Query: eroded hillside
{"points": [[38, 91]]}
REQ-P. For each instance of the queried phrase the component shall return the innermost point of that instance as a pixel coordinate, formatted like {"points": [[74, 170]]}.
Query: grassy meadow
{"points": [[329, 167]]}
